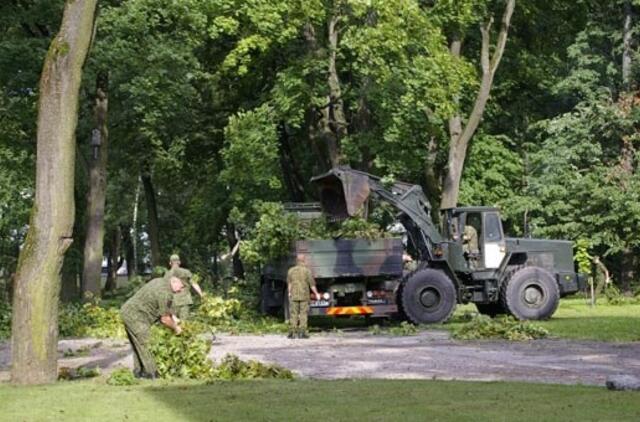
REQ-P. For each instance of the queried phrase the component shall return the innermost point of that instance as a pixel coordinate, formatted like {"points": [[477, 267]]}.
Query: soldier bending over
{"points": [[152, 303]]}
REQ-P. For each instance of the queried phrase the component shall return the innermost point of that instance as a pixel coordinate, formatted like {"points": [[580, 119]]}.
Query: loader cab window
{"points": [[471, 235], [493, 227]]}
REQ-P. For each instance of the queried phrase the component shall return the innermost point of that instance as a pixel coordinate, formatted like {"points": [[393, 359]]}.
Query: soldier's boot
{"points": [[292, 335], [303, 334]]}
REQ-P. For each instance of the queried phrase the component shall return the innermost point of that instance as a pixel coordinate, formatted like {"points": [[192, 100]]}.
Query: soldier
{"points": [[183, 300], [299, 281], [470, 245], [152, 303], [174, 262]]}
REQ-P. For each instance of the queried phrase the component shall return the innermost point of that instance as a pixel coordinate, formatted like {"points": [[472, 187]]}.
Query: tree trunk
{"points": [[134, 231], [459, 136], [129, 251], [94, 242], [232, 239], [34, 338], [114, 261], [627, 51], [290, 170], [152, 212]]}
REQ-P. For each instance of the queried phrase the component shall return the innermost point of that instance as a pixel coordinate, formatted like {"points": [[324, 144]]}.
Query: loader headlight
{"points": [[326, 296]]}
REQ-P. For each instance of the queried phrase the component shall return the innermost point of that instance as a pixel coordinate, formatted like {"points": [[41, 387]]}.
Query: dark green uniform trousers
{"points": [[143, 361], [299, 312]]}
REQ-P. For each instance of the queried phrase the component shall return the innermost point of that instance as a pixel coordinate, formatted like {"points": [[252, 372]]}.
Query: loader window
{"points": [[493, 227]]}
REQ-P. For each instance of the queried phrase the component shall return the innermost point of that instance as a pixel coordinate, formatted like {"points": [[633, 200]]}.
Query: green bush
{"points": [[90, 320], [5, 320], [505, 327], [122, 377], [181, 356], [231, 367]]}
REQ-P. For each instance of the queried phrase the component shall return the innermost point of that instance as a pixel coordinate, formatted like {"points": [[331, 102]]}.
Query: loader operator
{"points": [[299, 282], [470, 245]]}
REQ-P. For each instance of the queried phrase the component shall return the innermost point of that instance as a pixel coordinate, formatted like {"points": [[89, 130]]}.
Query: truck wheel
{"points": [[531, 293], [428, 296], [491, 309]]}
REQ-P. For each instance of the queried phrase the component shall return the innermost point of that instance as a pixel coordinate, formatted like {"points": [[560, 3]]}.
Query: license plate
{"points": [[319, 303]]}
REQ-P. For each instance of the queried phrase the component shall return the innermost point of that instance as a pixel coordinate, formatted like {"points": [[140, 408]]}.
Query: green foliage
{"points": [[122, 377], [505, 327], [273, 235], [582, 256], [90, 320], [69, 374], [181, 356], [5, 320], [403, 329], [231, 367], [216, 311]]}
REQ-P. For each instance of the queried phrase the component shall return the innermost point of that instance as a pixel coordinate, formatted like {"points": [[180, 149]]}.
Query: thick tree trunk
{"points": [[34, 338], [459, 136], [153, 227], [94, 242], [290, 170]]}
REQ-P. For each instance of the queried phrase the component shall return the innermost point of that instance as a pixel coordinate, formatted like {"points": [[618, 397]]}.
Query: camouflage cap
{"points": [[181, 273], [174, 257]]}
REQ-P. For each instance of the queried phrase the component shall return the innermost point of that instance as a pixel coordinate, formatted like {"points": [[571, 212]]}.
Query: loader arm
{"points": [[343, 191]]}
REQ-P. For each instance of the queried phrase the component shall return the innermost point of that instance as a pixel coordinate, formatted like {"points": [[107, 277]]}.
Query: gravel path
{"points": [[428, 355]]}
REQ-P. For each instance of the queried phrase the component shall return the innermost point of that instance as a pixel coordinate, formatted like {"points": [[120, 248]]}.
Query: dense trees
{"points": [[215, 106]]}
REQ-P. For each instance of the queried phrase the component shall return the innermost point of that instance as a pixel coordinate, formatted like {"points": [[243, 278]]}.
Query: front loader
{"points": [[521, 277]]}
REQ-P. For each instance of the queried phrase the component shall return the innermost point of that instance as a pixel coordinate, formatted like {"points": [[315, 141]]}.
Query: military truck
{"points": [[517, 276]]}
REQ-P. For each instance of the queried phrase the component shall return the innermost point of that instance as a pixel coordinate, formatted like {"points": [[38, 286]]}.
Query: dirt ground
{"points": [[428, 355]]}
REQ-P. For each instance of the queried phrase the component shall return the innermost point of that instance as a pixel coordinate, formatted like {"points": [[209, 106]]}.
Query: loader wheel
{"points": [[491, 309], [531, 293], [265, 293], [428, 296]]}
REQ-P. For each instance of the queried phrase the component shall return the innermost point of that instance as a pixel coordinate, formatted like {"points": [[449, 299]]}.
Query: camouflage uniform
{"points": [[300, 280], [182, 301], [470, 245], [139, 313]]}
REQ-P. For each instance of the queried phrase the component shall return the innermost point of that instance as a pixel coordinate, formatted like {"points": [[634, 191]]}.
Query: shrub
{"points": [[231, 367], [122, 377], [506, 327], [404, 329], [90, 320], [181, 356], [5, 320]]}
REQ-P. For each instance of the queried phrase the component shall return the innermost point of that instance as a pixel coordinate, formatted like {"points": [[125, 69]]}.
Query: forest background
{"points": [[195, 115]]}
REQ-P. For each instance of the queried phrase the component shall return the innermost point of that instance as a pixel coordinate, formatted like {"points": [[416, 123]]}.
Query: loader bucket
{"points": [[342, 192]]}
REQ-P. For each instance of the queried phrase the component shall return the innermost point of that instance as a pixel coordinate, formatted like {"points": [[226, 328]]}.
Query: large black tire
{"points": [[531, 293], [428, 297], [491, 309]]}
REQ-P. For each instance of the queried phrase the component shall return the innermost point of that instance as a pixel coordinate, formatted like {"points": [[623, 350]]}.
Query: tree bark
{"points": [[459, 135], [114, 261], [34, 338], [153, 227], [94, 242], [290, 169], [232, 239], [627, 51]]}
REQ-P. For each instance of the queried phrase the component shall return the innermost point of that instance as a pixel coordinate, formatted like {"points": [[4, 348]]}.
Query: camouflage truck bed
{"points": [[343, 258]]}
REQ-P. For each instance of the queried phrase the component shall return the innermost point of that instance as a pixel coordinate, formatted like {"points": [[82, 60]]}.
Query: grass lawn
{"points": [[575, 319], [317, 400]]}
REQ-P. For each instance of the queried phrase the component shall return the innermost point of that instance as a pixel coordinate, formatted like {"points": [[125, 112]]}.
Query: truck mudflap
{"points": [[373, 310]]}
